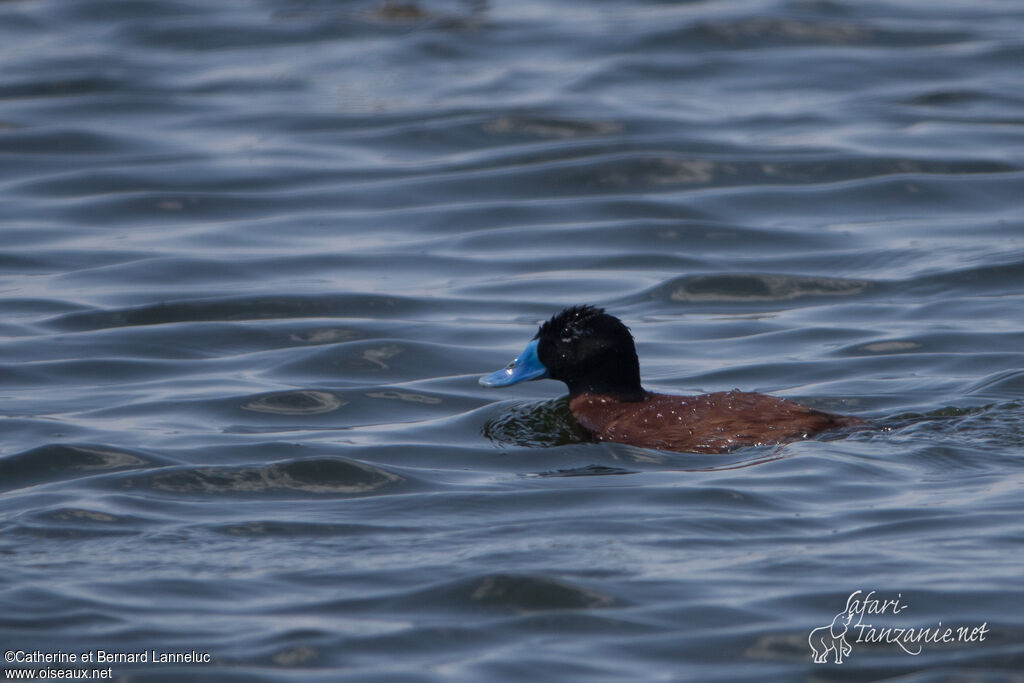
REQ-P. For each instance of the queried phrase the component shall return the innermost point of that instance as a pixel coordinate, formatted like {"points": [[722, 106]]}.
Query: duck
{"points": [[594, 354]]}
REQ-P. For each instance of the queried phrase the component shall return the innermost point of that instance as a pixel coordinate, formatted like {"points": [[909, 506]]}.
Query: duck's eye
{"points": [[567, 336]]}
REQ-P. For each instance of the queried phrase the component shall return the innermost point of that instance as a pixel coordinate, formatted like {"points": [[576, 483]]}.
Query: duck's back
{"points": [[709, 423]]}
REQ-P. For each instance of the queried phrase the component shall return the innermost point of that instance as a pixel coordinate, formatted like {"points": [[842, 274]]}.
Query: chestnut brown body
{"points": [[709, 423]]}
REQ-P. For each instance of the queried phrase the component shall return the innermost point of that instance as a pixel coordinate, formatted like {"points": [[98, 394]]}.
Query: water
{"points": [[255, 254]]}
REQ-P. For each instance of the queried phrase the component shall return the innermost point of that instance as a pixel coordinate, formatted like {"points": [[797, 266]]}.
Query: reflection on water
{"points": [[321, 476], [535, 425], [296, 403], [761, 288]]}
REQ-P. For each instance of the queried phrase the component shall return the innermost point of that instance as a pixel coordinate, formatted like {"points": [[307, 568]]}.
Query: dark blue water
{"points": [[254, 255]]}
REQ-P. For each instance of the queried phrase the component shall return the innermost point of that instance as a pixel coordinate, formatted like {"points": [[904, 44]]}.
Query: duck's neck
{"points": [[613, 371], [622, 389]]}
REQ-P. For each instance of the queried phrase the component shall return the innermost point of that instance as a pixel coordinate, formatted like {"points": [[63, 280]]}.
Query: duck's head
{"points": [[589, 350]]}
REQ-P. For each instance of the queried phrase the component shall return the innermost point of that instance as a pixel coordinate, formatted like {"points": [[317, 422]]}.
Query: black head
{"points": [[592, 352]]}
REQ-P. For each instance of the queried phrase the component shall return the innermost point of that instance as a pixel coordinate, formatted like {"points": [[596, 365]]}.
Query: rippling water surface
{"points": [[255, 254]]}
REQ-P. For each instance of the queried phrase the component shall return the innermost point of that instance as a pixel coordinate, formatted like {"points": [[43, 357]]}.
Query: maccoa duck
{"points": [[593, 353]]}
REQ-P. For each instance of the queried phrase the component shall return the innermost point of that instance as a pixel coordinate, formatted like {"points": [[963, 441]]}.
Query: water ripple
{"points": [[316, 476], [257, 254]]}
